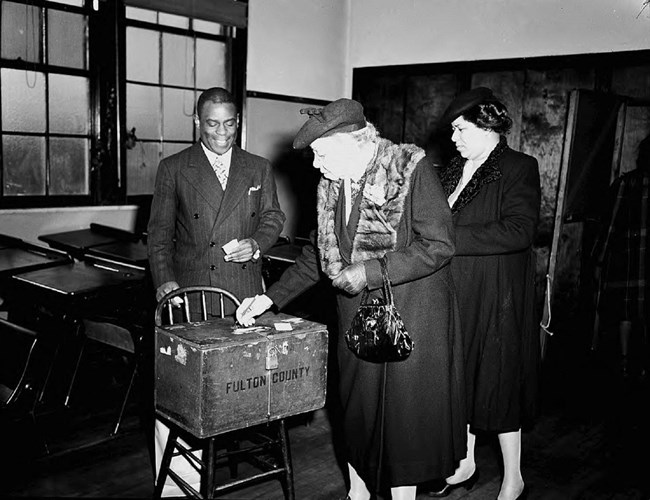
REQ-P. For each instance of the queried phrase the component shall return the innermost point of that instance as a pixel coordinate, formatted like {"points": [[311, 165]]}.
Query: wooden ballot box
{"points": [[213, 376]]}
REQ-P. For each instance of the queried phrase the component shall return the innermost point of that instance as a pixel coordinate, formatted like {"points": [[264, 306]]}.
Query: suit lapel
{"points": [[199, 173], [238, 181]]}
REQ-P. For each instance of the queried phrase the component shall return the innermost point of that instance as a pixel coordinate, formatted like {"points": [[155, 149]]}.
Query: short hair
{"points": [[217, 95], [491, 115]]}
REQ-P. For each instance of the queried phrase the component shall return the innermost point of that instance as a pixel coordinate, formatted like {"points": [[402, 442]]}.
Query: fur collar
{"points": [[486, 173], [388, 179]]}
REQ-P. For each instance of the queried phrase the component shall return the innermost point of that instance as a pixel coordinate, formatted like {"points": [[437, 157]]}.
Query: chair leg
{"points": [[207, 481], [233, 446], [289, 492], [74, 374], [39, 432], [46, 380], [126, 399], [165, 463]]}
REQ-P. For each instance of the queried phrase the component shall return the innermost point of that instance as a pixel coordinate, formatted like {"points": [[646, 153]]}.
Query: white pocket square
{"points": [[253, 188]]}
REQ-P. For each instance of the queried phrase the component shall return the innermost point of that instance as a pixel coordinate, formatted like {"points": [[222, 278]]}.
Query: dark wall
{"points": [[406, 102]]}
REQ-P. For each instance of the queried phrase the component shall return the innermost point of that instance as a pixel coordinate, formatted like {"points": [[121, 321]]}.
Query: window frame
{"points": [[161, 29], [106, 72], [48, 200]]}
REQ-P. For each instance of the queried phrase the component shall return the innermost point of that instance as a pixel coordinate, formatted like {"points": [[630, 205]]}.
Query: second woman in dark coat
{"points": [[494, 194]]}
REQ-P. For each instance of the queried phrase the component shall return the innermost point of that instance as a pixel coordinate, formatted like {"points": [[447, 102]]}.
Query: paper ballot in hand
{"points": [[230, 246]]}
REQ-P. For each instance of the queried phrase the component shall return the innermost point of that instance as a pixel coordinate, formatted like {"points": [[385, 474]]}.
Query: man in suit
{"points": [[205, 197]]}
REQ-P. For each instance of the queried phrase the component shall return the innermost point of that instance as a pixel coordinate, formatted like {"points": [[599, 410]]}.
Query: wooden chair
{"points": [[107, 332], [24, 367], [266, 446]]}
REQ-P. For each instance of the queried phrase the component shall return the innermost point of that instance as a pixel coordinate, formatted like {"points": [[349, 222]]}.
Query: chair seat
{"points": [[117, 337], [110, 334], [5, 394]]}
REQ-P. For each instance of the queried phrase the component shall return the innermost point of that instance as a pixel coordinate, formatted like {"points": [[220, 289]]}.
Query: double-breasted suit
{"points": [[192, 217]]}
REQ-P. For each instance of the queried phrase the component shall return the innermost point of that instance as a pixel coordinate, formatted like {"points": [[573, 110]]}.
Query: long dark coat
{"points": [[495, 218], [192, 217], [622, 249], [421, 400]]}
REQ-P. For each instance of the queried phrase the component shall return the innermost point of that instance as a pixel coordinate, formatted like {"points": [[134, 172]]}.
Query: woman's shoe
{"points": [[524, 494], [468, 484]]}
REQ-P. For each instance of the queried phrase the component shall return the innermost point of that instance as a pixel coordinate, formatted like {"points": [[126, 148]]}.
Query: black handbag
{"points": [[377, 332]]}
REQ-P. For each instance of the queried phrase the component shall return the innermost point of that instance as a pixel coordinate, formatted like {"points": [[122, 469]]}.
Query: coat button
{"points": [[253, 214], [212, 243], [213, 267], [196, 216], [243, 266]]}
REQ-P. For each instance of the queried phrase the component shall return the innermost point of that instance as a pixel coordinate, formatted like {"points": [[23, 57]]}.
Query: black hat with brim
{"points": [[466, 101], [342, 115]]}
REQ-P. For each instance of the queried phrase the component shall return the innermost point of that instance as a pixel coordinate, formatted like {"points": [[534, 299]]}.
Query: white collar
{"points": [[225, 158]]}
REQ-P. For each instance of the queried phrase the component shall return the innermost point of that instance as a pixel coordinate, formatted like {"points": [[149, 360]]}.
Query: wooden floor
{"points": [[591, 441]]}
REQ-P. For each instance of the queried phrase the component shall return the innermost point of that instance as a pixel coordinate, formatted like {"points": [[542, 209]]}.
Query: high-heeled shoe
{"points": [[524, 493], [468, 484]]}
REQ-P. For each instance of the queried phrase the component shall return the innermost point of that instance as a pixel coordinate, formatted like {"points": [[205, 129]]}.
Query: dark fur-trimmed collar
{"points": [[486, 173]]}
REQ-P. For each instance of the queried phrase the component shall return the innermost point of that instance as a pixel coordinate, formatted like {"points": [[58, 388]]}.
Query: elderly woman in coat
{"points": [[403, 421]]}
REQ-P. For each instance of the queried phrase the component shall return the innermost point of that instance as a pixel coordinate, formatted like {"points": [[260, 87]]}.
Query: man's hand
{"points": [[165, 288], [244, 251], [252, 307], [352, 279]]}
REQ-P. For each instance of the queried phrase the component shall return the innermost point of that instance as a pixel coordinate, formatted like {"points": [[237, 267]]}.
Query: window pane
{"points": [[24, 165], [142, 55], [23, 100], [143, 110], [178, 109], [68, 166], [78, 3], [150, 16], [69, 104], [210, 64], [207, 27], [173, 20], [21, 28], [141, 167], [170, 148], [178, 60], [66, 39]]}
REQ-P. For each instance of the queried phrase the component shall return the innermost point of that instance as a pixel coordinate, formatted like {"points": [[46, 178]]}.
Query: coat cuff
{"points": [[373, 274]]}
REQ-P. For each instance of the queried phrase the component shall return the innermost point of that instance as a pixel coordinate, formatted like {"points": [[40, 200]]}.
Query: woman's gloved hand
{"points": [[252, 307], [352, 279]]}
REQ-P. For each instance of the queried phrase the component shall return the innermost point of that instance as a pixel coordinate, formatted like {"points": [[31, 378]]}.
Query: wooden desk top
{"points": [[128, 252], [81, 278], [286, 252], [80, 239], [17, 256]]}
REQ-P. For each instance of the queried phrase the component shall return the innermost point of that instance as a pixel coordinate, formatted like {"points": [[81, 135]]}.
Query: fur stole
{"points": [[388, 180], [486, 173]]}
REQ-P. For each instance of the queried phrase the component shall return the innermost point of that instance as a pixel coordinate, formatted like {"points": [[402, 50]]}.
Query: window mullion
{"points": [[45, 59]]}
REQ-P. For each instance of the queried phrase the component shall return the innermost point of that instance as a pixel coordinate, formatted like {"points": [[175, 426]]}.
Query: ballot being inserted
{"points": [[230, 246]]}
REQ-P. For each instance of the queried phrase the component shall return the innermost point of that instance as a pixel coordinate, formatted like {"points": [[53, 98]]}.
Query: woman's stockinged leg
{"points": [[467, 465], [512, 484], [403, 493], [358, 489]]}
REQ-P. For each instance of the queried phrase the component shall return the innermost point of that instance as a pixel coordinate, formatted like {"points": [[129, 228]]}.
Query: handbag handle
{"points": [[386, 286], [388, 289]]}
